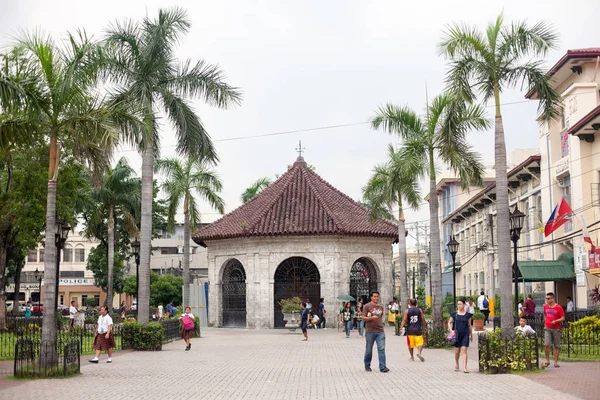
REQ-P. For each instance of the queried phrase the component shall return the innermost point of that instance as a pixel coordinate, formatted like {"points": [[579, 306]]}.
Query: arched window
{"points": [[68, 253], [79, 253]]}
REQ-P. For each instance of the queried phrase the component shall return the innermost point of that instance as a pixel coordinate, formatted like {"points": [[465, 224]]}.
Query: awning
{"points": [[548, 270]]}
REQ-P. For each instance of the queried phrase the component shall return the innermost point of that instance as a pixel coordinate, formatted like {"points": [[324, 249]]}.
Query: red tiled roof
{"points": [[583, 121], [586, 53], [300, 202]]}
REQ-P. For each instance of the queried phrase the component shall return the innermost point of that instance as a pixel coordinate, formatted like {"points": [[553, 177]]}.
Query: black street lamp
{"points": [[453, 249], [516, 224], [135, 248], [38, 277], [60, 237]]}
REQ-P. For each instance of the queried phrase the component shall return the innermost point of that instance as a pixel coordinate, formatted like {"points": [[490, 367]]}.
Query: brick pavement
{"points": [[272, 364]]}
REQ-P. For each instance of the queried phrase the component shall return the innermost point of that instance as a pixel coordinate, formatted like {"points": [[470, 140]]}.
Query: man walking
{"points": [[373, 316], [553, 316], [484, 306], [322, 313], [72, 312], [416, 327]]}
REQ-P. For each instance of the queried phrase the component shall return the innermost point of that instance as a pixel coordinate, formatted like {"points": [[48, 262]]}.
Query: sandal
{"points": [[556, 366], [456, 369], [544, 365]]}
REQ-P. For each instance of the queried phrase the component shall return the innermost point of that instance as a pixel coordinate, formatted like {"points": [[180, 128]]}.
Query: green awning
{"points": [[561, 269]]}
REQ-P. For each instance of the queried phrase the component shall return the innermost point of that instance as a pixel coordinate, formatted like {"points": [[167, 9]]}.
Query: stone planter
{"points": [[478, 324], [291, 320]]}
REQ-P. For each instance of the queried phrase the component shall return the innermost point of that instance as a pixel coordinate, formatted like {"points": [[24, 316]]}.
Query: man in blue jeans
{"points": [[373, 316]]}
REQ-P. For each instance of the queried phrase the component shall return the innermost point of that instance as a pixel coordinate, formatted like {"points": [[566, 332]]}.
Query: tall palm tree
{"points": [[183, 180], [394, 184], [487, 63], [254, 189], [141, 63], [440, 136], [64, 107], [119, 193]]}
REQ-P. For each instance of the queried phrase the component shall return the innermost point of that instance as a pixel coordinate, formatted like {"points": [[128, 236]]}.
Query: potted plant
{"points": [[245, 228], [478, 318], [290, 308]]}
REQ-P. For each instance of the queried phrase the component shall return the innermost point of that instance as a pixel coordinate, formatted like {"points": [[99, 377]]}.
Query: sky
{"points": [[316, 70]]}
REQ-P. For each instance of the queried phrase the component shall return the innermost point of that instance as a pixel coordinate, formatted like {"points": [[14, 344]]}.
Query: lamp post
{"points": [[413, 283], [135, 248], [38, 277], [453, 249], [516, 224], [60, 237]]}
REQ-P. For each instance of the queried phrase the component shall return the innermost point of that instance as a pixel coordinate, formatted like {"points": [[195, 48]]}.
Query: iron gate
{"points": [[363, 279], [234, 295], [296, 276]]}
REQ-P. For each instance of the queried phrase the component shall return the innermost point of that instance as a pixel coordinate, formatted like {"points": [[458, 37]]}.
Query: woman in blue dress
{"points": [[460, 323]]}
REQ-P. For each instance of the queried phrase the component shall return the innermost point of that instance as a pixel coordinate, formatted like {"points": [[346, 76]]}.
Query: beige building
{"points": [[570, 150], [474, 227], [416, 264]]}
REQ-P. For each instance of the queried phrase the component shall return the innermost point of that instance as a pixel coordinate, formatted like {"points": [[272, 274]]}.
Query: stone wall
{"points": [[333, 256]]}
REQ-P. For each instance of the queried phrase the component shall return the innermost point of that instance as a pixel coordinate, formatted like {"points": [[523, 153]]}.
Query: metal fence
{"points": [[33, 358], [31, 329], [497, 356]]}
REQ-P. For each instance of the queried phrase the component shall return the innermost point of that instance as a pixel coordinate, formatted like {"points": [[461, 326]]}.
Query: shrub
{"points": [[498, 355], [143, 337], [478, 315], [436, 338], [585, 331], [290, 305]]}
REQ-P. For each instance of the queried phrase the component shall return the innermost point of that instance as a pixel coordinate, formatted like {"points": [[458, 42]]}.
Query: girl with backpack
{"points": [[187, 321]]}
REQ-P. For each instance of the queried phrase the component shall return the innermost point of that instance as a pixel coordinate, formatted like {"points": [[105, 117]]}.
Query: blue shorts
{"points": [[462, 340]]}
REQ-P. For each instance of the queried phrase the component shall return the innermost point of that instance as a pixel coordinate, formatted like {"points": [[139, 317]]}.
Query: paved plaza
{"points": [[273, 364]]}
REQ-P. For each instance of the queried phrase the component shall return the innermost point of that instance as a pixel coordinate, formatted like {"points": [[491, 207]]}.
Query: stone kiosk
{"points": [[298, 237]]}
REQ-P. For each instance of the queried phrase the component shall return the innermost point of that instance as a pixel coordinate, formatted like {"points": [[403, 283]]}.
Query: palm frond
{"points": [[401, 121], [460, 41], [255, 188]]}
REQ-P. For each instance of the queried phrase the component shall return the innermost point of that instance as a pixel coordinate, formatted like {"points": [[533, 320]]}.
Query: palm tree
{"points": [[487, 63], [141, 64], [255, 189], [182, 181], [393, 183], [118, 193], [63, 107], [440, 136]]}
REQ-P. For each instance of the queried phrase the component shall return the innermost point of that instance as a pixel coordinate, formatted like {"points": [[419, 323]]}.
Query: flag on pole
{"points": [[586, 236], [558, 218]]}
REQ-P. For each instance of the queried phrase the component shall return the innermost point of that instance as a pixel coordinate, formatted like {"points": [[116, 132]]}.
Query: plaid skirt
{"points": [[102, 343], [187, 334]]}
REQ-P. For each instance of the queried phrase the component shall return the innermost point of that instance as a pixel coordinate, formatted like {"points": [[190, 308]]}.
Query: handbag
{"points": [[451, 338]]}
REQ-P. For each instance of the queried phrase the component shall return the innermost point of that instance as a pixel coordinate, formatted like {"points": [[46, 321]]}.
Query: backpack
{"points": [[486, 303], [188, 323]]}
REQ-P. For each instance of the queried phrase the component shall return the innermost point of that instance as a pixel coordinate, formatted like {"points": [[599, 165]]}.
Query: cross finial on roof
{"points": [[300, 149]]}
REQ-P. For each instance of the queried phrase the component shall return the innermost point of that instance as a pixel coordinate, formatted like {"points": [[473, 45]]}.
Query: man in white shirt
{"points": [[482, 307], [72, 312], [570, 305]]}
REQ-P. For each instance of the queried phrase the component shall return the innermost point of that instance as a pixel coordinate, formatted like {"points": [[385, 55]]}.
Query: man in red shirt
{"points": [[553, 316]]}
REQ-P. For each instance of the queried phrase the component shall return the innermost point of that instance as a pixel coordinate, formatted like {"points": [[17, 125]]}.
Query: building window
{"points": [[482, 280], [42, 251], [80, 254], [68, 254], [62, 299], [97, 298], [84, 300], [566, 194], [32, 255]]}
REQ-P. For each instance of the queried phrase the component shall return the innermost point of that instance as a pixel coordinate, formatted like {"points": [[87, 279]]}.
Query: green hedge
{"points": [[143, 337]]}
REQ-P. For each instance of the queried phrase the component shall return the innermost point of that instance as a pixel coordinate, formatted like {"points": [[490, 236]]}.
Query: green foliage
{"points": [[129, 285], [291, 304], [164, 289], [421, 297], [143, 337], [98, 264], [436, 338], [508, 355], [90, 302], [585, 331], [478, 315]]}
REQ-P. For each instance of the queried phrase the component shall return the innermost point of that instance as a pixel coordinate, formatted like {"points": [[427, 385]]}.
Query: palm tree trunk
{"points": [[436, 263], [110, 257], [402, 259], [143, 297], [186, 254], [3, 262], [48, 356], [502, 224]]}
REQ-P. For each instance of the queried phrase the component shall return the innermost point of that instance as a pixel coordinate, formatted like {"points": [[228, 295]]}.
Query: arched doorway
{"points": [[363, 279], [296, 276], [234, 295]]}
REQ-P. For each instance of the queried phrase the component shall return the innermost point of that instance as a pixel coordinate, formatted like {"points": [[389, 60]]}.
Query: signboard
{"points": [[581, 257], [24, 286], [76, 281], [594, 262]]}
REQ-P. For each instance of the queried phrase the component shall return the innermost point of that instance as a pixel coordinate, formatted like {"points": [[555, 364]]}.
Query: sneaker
{"points": [[108, 361], [368, 369], [386, 369], [187, 348], [94, 360]]}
